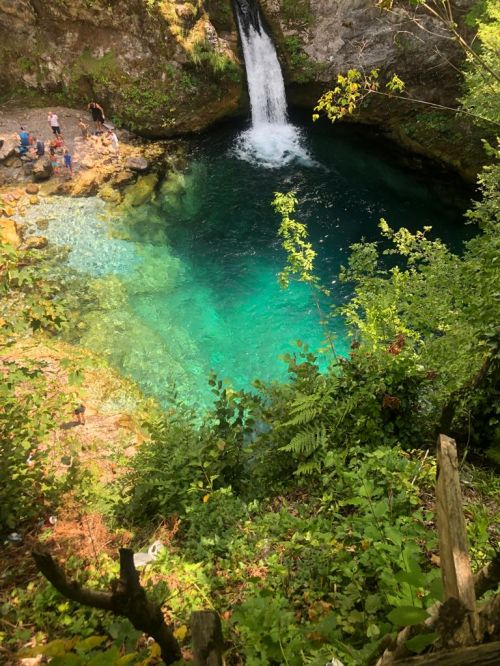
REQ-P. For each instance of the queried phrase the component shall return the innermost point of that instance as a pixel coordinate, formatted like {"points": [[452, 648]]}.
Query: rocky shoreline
{"points": [[129, 174]]}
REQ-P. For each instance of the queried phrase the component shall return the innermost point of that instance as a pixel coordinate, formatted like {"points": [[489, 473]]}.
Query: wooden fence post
{"points": [[458, 581], [208, 643]]}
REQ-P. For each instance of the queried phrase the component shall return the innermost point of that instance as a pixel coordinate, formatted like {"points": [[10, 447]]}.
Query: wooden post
{"points": [[458, 581], [208, 642]]}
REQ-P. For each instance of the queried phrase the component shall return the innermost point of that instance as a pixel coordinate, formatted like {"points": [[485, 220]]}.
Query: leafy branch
{"points": [[355, 87]]}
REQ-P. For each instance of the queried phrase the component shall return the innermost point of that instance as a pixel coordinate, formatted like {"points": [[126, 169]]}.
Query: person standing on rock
{"points": [[39, 147], [115, 144], [54, 123], [97, 113], [83, 129], [68, 163], [25, 140], [80, 414]]}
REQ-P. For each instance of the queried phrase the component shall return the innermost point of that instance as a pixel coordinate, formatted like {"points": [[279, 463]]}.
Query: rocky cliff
{"points": [[320, 38], [160, 67], [164, 67]]}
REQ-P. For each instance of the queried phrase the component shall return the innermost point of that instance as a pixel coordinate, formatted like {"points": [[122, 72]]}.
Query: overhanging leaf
{"points": [[407, 615]]}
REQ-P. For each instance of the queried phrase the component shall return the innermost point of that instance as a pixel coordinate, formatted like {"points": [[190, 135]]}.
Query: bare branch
{"points": [[127, 599]]}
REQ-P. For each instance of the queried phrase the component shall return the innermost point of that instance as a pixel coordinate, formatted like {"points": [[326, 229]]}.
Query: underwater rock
{"points": [[141, 191], [42, 224], [42, 169], [137, 164], [36, 243], [9, 232], [108, 193], [32, 188], [123, 177]]}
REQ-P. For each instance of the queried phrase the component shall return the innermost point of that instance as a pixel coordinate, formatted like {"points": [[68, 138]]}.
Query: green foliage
{"points": [[28, 413], [351, 90], [268, 631], [203, 54], [440, 308], [300, 254], [297, 13], [483, 88], [185, 463], [31, 296], [303, 68]]}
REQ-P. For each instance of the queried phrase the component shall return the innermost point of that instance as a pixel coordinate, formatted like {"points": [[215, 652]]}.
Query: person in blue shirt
{"points": [[68, 162], [25, 140]]}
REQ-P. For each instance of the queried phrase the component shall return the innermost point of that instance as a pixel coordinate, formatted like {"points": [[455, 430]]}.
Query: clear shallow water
{"points": [[188, 282]]}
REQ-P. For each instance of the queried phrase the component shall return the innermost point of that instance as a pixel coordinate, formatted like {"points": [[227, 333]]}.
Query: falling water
{"points": [[271, 141]]}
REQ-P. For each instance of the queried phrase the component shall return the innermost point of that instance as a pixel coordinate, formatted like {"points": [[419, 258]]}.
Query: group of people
{"points": [[32, 147]]}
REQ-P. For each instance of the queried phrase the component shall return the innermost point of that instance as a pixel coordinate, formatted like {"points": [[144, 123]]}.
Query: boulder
{"points": [[9, 232], [137, 164], [42, 168], [32, 188], [36, 242], [8, 147], [85, 183]]}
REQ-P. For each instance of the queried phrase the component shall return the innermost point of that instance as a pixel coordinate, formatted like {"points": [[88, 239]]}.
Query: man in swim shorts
{"points": [[97, 113]]}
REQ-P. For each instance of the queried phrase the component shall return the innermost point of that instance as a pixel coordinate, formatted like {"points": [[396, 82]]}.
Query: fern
{"points": [[307, 441], [306, 408]]}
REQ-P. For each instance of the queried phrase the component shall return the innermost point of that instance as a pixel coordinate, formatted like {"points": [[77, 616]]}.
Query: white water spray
{"points": [[271, 141]]}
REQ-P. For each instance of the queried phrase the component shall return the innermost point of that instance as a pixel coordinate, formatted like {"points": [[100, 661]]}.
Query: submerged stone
{"points": [[141, 191], [36, 243]]}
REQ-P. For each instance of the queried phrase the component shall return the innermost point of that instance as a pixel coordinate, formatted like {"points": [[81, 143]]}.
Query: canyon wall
{"points": [[165, 67], [158, 67]]}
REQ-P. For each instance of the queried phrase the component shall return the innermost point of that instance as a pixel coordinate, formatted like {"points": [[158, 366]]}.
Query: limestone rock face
{"points": [[160, 67], [322, 38], [42, 169], [8, 145]]}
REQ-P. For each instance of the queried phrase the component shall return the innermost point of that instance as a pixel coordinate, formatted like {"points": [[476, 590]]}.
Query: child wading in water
{"points": [[68, 163]]}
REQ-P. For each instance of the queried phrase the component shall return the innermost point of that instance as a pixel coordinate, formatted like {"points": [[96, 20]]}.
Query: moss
{"points": [[302, 67], [296, 12]]}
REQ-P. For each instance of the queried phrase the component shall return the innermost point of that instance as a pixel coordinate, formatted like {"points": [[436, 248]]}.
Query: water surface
{"points": [[188, 283]]}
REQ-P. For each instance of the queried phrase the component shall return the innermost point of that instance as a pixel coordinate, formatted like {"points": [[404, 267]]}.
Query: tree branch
{"points": [[127, 599]]}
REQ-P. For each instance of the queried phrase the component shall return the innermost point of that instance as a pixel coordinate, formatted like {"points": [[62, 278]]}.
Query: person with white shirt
{"points": [[115, 144], [54, 123]]}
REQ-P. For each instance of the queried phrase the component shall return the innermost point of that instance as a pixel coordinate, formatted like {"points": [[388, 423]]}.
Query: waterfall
{"points": [[271, 141]]}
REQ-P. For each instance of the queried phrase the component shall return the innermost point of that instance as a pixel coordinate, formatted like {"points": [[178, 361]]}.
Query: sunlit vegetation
{"points": [[303, 512]]}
